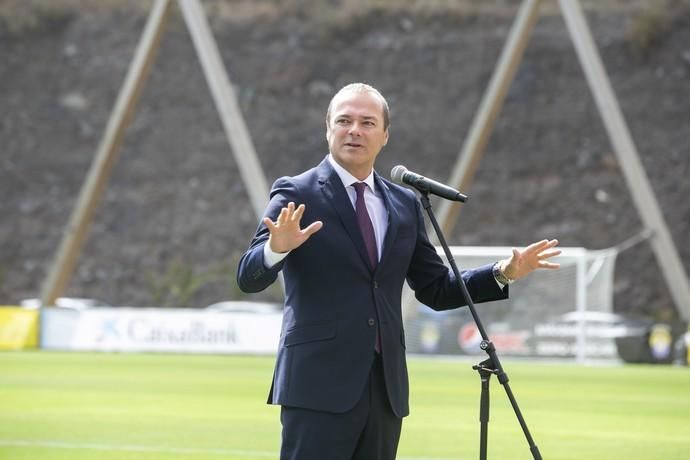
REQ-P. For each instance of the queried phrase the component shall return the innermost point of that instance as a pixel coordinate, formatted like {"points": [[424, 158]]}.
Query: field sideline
{"points": [[80, 406]]}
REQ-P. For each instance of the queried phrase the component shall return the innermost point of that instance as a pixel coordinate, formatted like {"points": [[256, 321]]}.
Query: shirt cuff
{"points": [[272, 258]]}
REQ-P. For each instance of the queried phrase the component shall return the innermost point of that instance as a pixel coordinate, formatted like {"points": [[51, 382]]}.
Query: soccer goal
{"points": [[565, 313]]}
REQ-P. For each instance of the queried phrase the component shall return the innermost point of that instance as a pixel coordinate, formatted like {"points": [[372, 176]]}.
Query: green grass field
{"points": [[140, 407]]}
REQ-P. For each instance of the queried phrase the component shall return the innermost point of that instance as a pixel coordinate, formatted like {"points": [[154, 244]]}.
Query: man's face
{"points": [[355, 131]]}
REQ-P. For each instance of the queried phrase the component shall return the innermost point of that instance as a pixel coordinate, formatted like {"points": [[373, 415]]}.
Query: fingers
{"points": [[546, 252], [549, 254], [297, 215], [283, 216], [549, 265], [313, 228], [290, 217], [286, 215], [540, 246], [536, 246], [552, 243], [269, 223]]}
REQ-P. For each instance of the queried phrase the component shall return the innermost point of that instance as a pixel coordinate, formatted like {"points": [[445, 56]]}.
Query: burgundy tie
{"points": [[365, 225], [367, 229]]}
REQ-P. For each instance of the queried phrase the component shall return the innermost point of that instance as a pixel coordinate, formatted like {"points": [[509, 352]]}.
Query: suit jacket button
{"points": [[371, 322]]}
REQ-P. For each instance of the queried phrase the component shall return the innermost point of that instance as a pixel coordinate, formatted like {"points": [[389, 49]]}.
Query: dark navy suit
{"points": [[334, 303]]}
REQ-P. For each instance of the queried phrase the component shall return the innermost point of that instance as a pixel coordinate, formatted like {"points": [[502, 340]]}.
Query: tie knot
{"points": [[359, 188]]}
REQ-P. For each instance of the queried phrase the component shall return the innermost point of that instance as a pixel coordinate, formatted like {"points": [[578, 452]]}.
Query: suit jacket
{"points": [[334, 302]]}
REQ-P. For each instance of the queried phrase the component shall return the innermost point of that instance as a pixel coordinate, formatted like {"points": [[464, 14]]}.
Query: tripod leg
{"points": [[484, 414]]}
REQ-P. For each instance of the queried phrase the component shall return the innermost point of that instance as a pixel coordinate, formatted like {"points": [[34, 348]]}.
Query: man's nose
{"points": [[355, 129]]}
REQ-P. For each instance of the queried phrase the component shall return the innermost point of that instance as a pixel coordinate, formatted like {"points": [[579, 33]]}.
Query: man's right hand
{"points": [[285, 233]]}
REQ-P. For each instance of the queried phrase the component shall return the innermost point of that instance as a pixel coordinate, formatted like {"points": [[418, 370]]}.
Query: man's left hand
{"points": [[523, 262]]}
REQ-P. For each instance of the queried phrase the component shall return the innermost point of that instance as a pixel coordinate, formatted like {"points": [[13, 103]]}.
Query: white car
{"points": [[245, 306], [74, 303]]}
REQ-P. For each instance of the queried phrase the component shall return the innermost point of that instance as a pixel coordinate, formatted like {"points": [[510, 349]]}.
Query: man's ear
{"points": [[385, 140], [328, 132]]}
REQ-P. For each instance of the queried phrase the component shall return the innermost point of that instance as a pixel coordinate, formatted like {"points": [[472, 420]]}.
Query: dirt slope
{"points": [[175, 214]]}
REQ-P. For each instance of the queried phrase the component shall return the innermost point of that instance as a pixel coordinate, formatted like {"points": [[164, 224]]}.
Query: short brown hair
{"points": [[362, 88]]}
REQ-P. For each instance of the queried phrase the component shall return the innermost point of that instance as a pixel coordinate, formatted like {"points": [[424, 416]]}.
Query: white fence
{"points": [[566, 313], [160, 330]]}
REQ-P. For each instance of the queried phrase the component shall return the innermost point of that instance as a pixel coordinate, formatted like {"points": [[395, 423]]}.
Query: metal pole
{"points": [[482, 125], [581, 307], [489, 108], [643, 196], [77, 229], [226, 104]]}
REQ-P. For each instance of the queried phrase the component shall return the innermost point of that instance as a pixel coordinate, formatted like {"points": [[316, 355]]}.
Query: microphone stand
{"points": [[491, 365]]}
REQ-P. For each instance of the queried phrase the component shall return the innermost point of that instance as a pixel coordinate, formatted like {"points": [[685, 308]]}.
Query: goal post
{"points": [[564, 313]]}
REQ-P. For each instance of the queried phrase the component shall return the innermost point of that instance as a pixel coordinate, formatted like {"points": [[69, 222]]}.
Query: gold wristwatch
{"points": [[500, 276]]}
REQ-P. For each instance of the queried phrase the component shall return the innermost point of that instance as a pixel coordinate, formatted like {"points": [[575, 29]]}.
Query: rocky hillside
{"points": [[175, 218]]}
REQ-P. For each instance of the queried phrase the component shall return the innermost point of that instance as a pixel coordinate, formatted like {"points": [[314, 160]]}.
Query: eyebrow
{"points": [[364, 117]]}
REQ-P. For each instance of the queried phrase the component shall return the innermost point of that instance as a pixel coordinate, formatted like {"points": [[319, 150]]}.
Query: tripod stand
{"points": [[488, 367]]}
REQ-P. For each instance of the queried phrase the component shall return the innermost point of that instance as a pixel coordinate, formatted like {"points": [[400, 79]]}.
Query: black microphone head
{"points": [[397, 174]]}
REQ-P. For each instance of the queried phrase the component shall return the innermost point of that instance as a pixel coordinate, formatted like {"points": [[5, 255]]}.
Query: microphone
{"points": [[401, 175]]}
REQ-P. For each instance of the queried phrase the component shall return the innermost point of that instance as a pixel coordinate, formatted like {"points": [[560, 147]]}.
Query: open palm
{"points": [[285, 232], [533, 257]]}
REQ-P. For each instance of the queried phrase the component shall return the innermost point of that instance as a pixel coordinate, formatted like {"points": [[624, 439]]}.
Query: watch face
{"points": [[500, 277]]}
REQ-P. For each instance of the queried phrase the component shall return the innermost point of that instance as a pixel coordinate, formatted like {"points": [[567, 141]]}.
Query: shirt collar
{"points": [[347, 178]]}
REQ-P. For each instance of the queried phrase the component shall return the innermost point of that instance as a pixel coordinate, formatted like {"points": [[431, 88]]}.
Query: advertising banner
{"points": [[18, 328], [162, 330]]}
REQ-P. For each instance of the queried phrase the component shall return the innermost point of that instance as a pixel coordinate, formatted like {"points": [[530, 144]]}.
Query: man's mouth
{"points": [[352, 144]]}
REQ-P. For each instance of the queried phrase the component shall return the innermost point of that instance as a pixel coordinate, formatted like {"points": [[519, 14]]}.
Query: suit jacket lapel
{"points": [[393, 219], [333, 188]]}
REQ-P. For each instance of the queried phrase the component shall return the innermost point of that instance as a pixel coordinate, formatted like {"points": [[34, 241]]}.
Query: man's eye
{"points": [[342, 121]]}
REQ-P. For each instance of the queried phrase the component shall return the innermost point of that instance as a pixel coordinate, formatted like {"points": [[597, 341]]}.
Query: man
{"points": [[341, 375]]}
